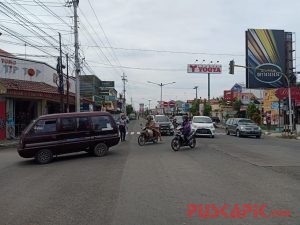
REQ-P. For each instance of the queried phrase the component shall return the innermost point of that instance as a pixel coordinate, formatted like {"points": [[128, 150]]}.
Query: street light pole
{"points": [[196, 87], [161, 85]]}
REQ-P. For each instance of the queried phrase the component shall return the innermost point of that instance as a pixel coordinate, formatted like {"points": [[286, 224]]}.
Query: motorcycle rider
{"points": [[151, 125], [186, 127]]}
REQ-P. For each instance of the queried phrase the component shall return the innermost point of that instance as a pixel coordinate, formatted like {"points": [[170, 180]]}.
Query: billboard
{"points": [[204, 68], [265, 58]]}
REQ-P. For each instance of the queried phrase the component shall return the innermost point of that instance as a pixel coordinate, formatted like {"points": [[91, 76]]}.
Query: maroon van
{"points": [[62, 133]]}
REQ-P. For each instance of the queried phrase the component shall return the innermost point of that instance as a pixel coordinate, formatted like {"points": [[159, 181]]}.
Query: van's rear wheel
{"points": [[44, 156], [100, 149]]}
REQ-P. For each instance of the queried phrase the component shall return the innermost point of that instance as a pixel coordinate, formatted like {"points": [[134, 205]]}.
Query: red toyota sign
{"points": [[204, 68]]}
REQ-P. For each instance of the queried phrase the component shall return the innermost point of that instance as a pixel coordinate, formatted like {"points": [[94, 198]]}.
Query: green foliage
{"points": [[129, 109], [207, 109], [194, 110], [253, 113], [237, 105]]}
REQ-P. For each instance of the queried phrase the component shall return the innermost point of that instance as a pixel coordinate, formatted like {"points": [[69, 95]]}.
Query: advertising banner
{"points": [[228, 96], [204, 68], [29, 70], [265, 58]]}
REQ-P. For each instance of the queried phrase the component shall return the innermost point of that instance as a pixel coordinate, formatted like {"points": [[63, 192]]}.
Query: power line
{"points": [[114, 54]]}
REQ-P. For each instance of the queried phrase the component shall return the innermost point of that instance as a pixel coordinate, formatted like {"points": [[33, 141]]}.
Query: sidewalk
{"points": [[13, 143]]}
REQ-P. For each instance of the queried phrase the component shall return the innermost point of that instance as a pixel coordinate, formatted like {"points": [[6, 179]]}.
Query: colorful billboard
{"points": [[265, 58]]}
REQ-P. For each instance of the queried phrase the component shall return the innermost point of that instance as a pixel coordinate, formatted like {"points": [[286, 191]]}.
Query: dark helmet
{"points": [[185, 118]]}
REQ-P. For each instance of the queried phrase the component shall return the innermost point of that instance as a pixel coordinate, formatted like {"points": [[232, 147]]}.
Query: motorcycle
{"points": [[179, 140], [146, 136]]}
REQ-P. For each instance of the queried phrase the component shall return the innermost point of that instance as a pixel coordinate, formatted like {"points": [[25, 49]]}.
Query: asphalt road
{"points": [[153, 185]]}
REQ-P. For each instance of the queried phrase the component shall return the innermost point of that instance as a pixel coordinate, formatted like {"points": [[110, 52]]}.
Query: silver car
{"points": [[242, 127]]}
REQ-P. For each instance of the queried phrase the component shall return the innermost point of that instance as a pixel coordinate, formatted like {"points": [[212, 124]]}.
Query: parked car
{"points": [[56, 134], [242, 127], [164, 123], [203, 125]]}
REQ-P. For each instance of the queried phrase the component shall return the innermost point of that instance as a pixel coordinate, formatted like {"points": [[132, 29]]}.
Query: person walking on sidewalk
{"points": [[123, 127]]}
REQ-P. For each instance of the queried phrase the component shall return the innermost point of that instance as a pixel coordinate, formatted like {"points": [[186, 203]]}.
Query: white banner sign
{"points": [[204, 68]]}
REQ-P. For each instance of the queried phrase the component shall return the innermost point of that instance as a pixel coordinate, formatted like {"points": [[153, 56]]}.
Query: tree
{"points": [[207, 109], [194, 110], [253, 113], [237, 106], [129, 109]]}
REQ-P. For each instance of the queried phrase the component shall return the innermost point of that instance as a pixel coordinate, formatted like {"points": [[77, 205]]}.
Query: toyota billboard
{"points": [[265, 58]]}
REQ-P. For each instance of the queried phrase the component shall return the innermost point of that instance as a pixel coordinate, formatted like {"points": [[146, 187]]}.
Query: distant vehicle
{"points": [[216, 120], [203, 125], [242, 127], [132, 116], [164, 123], [62, 133], [177, 121]]}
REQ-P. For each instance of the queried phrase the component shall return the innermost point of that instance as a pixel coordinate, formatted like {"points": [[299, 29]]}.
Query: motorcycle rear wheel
{"points": [[141, 140], [175, 144], [192, 143]]}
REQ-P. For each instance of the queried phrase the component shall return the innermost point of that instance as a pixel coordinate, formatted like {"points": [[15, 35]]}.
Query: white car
{"points": [[203, 125]]}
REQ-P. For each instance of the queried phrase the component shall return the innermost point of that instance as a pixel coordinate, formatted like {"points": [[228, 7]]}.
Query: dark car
{"points": [[164, 123], [63, 133], [242, 127]]}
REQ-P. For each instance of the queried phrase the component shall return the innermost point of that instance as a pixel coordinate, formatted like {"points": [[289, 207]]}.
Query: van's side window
{"points": [[83, 123], [68, 124], [101, 123], [44, 126]]}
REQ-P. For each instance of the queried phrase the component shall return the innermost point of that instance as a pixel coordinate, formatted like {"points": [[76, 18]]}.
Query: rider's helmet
{"points": [[149, 118]]}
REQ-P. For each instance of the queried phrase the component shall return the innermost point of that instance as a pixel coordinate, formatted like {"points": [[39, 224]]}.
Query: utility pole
{"points": [[124, 91], [196, 87], [77, 65], [61, 77], [68, 85], [161, 85]]}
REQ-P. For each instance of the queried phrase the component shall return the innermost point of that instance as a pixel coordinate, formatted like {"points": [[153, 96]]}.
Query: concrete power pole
{"points": [[77, 65], [124, 91], [196, 87]]}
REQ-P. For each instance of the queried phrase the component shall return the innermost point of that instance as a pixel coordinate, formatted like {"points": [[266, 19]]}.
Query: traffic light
{"points": [[231, 67]]}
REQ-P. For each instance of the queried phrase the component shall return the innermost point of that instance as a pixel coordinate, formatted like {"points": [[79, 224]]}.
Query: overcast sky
{"points": [[154, 40]]}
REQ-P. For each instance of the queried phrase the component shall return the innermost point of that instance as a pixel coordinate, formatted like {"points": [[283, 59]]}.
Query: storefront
{"points": [[28, 89]]}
